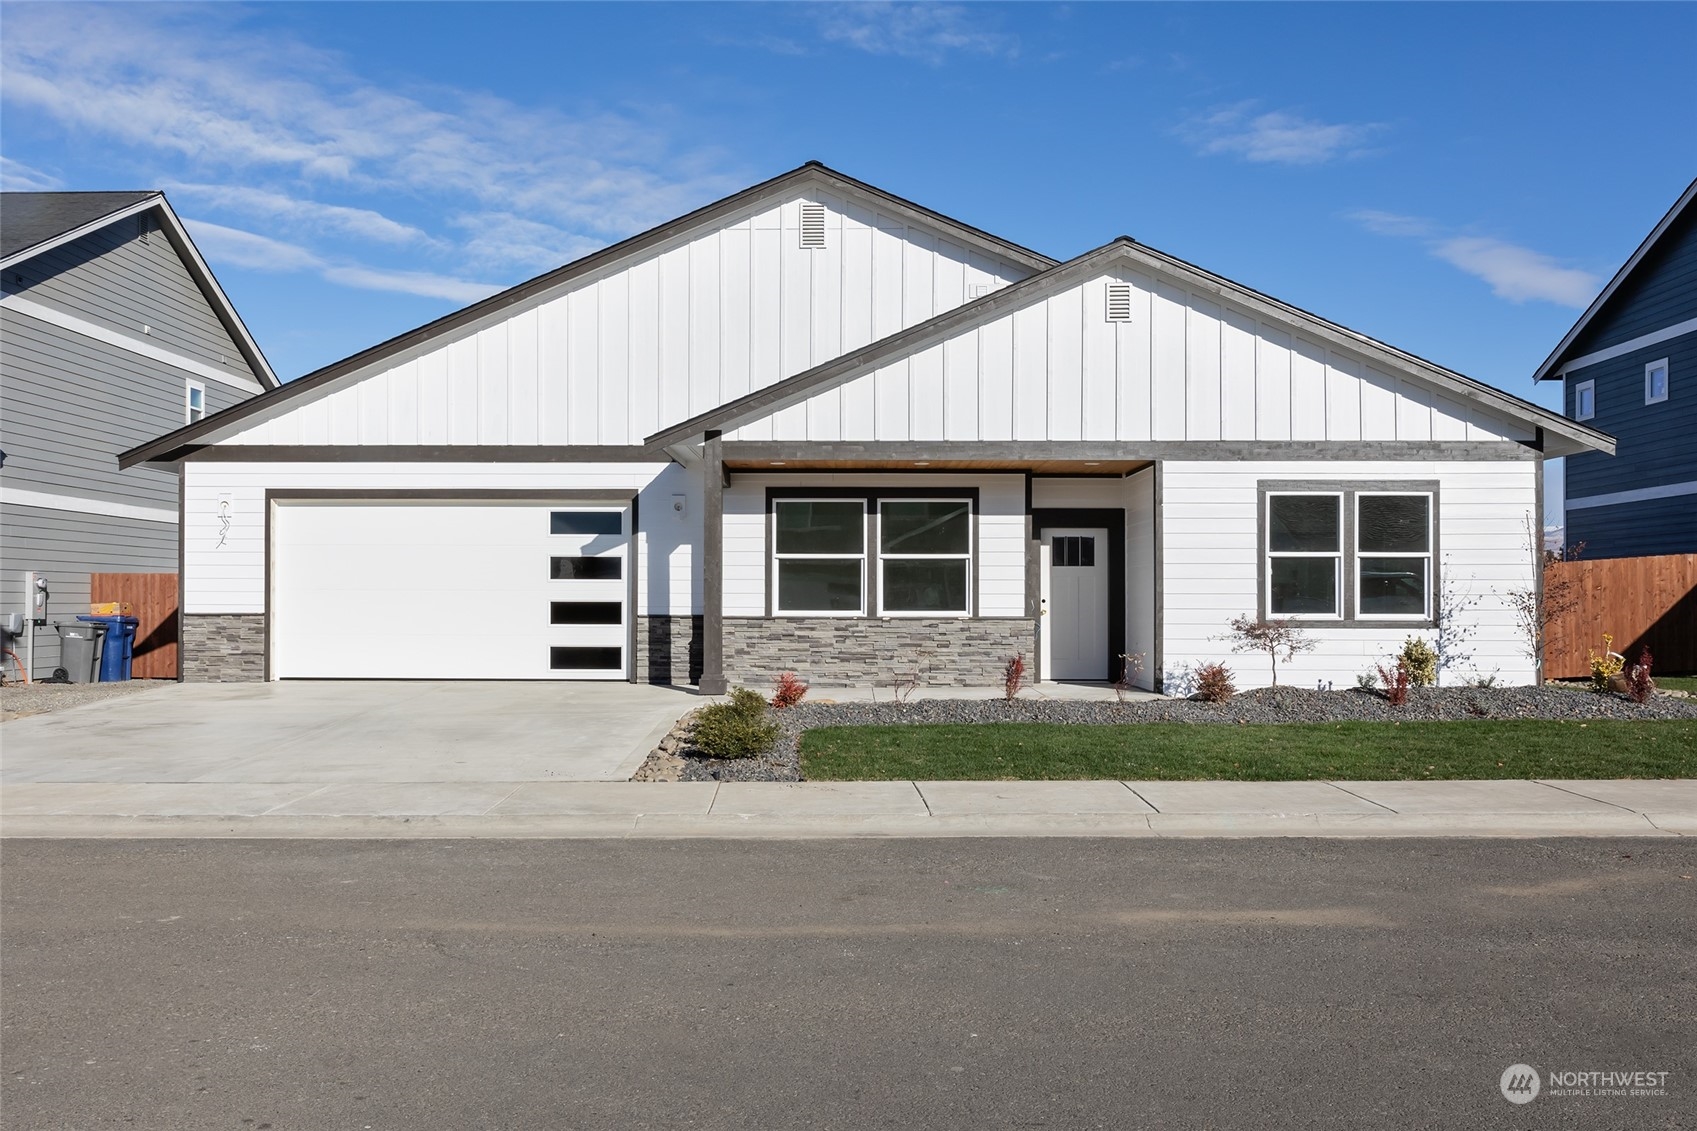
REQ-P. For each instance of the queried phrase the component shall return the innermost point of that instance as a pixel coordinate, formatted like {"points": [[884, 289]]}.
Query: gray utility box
{"points": [[79, 649]]}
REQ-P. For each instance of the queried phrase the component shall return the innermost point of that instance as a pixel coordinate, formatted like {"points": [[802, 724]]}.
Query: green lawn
{"points": [[1281, 752], [1678, 682]]}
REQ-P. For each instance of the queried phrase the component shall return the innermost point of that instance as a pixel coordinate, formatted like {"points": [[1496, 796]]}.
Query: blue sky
{"points": [[1457, 180]]}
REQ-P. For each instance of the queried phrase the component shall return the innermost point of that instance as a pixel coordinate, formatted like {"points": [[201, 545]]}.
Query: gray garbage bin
{"points": [[79, 649]]}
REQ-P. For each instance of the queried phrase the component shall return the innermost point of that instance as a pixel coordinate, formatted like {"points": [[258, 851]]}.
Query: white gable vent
{"points": [[1119, 302], [812, 225]]}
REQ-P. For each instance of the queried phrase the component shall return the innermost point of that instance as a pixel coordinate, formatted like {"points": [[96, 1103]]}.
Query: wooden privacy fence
{"points": [[153, 601], [1644, 602]]}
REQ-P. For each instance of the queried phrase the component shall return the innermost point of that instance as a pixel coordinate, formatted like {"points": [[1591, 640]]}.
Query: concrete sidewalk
{"points": [[814, 810]]}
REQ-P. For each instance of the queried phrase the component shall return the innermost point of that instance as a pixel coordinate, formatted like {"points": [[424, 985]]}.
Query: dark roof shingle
{"points": [[31, 218]]}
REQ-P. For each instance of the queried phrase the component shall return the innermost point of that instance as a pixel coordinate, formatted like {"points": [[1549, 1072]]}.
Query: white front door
{"points": [[1075, 604]]}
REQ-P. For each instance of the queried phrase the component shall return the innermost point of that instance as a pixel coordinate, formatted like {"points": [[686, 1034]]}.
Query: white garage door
{"points": [[438, 590]]}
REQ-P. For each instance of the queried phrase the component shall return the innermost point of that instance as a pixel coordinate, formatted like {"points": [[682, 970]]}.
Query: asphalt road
{"points": [[845, 984]]}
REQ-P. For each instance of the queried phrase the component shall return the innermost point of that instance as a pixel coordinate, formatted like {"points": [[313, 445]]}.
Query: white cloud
{"points": [[411, 283], [1515, 273], [1276, 136], [328, 155], [232, 246], [926, 32], [360, 223], [15, 176]]}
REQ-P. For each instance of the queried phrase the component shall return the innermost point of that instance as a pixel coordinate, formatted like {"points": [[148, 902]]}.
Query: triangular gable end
{"points": [[1127, 344], [675, 321]]}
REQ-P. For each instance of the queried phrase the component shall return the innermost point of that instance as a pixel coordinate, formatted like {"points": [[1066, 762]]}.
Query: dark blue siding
{"points": [[1661, 291], [1626, 530], [1657, 443]]}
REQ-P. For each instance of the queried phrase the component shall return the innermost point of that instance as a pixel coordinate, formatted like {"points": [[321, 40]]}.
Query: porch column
{"points": [[713, 568]]}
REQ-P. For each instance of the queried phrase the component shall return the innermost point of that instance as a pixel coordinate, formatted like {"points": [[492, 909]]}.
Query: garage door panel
{"points": [[427, 591]]}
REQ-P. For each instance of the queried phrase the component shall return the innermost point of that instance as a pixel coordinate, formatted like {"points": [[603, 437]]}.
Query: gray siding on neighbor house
{"points": [[123, 280], [72, 404], [1661, 291], [68, 547], [1626, 530]]}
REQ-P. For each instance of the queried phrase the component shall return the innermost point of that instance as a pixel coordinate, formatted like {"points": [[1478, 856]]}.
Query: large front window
{"points": [[1354, 552], [917, 562], [820, 551], [924, 555]]}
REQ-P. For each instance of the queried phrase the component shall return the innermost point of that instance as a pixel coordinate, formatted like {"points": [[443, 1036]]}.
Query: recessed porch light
{"points": [[1092, 463], [777, 463], [922, 463]]}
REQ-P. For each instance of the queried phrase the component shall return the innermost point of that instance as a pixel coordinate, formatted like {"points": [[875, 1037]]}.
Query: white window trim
{"points": [[1667, 381], [1336, 556], [1579, 393], [190, 388], [883, 609], [777, 557], [1431, 507]]}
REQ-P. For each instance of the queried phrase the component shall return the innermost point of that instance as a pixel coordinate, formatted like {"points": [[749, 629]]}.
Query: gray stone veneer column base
{"points": [[843, 651], [224, 648], [668, 649]]}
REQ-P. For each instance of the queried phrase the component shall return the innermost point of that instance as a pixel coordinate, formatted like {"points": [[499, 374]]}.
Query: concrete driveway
{"points": [[348, 732]]}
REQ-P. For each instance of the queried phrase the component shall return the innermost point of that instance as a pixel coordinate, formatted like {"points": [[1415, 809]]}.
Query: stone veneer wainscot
{"points": [[224, 648], [840, 651]]}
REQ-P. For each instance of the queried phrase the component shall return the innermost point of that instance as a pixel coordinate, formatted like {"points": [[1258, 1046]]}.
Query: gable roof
{"points": [[33, 223], [31, 219], [1574, 437], [811, 174], [1557, 356]]}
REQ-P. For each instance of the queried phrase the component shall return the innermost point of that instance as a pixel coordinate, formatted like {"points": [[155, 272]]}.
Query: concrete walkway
{"points": [[848, 809]]}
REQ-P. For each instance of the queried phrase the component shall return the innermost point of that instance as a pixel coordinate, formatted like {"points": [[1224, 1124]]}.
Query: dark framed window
{"points": [[585, 569], [586, 659], [924, 556], [819, 555], [586, 522], [1349, 552]]}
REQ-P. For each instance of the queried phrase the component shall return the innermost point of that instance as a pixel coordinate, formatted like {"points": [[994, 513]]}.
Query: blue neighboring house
{"points": [[1629, 368]]}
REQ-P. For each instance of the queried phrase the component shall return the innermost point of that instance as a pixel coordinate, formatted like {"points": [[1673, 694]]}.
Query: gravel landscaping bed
{"points": [[18, 700], [1264, 705]]}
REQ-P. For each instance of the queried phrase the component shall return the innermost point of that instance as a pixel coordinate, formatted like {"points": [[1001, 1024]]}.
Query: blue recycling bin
{"points": [[117, 649]]}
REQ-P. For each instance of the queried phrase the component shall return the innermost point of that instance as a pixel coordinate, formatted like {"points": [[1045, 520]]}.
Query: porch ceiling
{"points": [[1071, 467]]}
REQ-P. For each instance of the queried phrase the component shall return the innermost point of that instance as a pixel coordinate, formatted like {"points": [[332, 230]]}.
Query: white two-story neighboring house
{"points": [[112, 331], [819, 428]]}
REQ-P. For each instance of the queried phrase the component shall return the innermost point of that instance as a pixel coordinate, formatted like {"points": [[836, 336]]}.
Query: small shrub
{"points": [[1013, 676], [788, 691], [1395, 681], [1131, 667], [1214, 683], [737, 729], [1274, 637], [1421, 662], [1484, 682], [1604, 668], [1367, 681], [1639, 685]]}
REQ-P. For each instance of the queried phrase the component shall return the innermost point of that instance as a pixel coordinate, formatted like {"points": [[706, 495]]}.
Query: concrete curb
{"points": [[837, 810]]}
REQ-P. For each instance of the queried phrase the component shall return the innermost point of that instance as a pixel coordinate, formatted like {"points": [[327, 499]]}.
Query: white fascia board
{"points": [[1643, 341], [78, 232], [139, 346], [20, 497]]}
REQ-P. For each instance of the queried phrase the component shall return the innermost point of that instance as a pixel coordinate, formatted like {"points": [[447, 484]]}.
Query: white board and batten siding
{"points": [[1184, 367], [999, 572], [1211, 560], [613, 357], [224, 511]]}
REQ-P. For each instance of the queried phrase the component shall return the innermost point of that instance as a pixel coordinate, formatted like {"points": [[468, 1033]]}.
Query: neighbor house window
{"points": [[1585, 400], [819, 552], [1393, 555], [194, 401], [1349, 551], [1656, 382], [924, 556], [1304, 555]]}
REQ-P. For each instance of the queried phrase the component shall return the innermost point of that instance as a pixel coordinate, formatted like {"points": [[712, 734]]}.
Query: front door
{"points": [[1075, 604]]}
